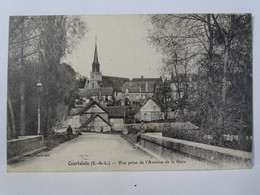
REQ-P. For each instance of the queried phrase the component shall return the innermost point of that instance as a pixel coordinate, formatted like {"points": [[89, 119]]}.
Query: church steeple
{"points": [[95, 64]]}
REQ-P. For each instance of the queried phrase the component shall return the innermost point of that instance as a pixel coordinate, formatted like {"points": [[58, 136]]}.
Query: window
{"points": [[92, 85]]}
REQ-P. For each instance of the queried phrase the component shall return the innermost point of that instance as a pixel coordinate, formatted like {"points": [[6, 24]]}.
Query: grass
{"points": [[131, 138], [52, 141]]}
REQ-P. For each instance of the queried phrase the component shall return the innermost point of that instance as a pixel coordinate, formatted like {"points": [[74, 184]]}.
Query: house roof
{"points": [[154, 100], [147, 79], [74, 111], [140, 86], [89, 105], [92, 118], [115, 111], [88, 93], [115, 82]]}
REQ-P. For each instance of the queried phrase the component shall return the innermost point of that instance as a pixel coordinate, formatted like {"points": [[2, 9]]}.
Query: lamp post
{"points": [[39, 89], [124, 108]]}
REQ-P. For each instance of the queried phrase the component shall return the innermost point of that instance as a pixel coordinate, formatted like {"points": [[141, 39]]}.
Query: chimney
{"points": [[146, 86], [142, 77]]}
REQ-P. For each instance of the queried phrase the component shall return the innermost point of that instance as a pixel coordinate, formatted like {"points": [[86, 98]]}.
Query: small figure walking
{"points": [[142, 130], [69, 132]]}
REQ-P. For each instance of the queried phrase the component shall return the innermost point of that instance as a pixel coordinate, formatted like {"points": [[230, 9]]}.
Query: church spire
{"points": [[95, 64]]}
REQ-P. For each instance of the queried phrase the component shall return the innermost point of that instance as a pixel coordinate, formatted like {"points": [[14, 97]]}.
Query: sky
{"points": [[122, 47]]}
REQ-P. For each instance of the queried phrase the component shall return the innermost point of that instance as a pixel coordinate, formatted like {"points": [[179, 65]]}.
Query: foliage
{"points": [[206, 136], [36, 46], [163, 95], [81, 81], [217, 50]]}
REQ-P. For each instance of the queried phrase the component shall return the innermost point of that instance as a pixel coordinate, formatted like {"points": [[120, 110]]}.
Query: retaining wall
{"points": [[24, 145], [166, 147]]}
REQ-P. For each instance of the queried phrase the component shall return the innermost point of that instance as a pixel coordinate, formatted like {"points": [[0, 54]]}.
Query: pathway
{"points": [[98, 152]]}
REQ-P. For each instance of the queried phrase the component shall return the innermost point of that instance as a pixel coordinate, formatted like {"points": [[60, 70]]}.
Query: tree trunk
{"points": [[65, 114], [22, 109], [226, 38], [224, 83], [11, 130], [22, 85], [224, 80]]}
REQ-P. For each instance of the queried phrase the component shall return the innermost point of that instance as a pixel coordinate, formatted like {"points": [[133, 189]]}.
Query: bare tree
{"points": [[218, 47]]}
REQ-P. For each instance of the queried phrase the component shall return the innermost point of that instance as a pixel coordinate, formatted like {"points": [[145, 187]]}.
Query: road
{"points": [[99, 152]]}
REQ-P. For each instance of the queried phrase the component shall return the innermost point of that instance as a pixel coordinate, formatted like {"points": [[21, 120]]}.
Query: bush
{"points": [[211, 137], [153, 127], [133, 128], [52, 141]]}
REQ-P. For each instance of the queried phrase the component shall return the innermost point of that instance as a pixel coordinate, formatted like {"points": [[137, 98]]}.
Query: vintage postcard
{"points": [[129, 92]]}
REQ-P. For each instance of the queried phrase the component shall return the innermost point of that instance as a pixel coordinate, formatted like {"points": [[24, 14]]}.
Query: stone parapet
{"points": [[24, 145], [166, 147]]}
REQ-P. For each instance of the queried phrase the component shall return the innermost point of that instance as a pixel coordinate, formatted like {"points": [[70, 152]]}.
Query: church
{"points": [[102, 88], [105, 89]]}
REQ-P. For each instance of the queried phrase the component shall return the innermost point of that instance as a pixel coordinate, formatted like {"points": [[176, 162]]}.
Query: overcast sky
{"points": [[122, 47]]}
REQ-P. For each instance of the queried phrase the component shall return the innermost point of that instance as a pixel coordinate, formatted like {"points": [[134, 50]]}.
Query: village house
{"points": [[101, 95], [149, 111], [139, 89], [95, 117], [92, 117], [97, 123], [116, 115]]}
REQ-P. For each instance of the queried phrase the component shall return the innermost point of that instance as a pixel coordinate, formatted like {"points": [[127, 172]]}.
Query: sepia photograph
{"points": [[142, 92]]}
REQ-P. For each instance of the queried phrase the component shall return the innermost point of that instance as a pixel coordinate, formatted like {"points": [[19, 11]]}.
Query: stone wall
{"points": [[24, 145], [166, 147]]}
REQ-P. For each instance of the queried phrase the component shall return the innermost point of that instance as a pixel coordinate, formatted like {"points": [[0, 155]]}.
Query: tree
{"points": [[36, 47], [177, 48], [218, 47], [81, 81], [163, 95]]}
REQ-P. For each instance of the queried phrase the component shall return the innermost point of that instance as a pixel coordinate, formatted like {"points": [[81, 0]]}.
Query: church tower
{"points": [[95, 64], [95, 74]]}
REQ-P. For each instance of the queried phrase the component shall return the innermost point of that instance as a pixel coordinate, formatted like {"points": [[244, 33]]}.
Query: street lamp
{"points": [[39, 89]]}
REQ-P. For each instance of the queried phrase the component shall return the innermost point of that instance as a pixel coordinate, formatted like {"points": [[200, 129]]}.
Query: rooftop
{"points": [[103, 91], [114, 82], [89, 105], [140, 86], [115, 111], [147, 79]]}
